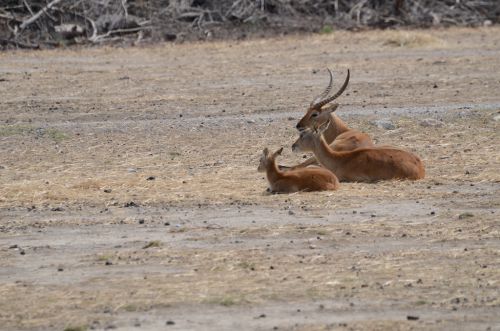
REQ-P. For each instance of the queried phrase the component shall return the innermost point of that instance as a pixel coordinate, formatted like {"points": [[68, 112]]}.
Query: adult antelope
{"points": [[363, 164], [338, 134], [308, 179]]}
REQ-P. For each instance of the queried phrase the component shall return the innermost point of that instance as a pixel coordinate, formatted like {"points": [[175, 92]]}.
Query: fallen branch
{"points": [[18, 44], [37, 15], [103, 37], [9, 17]]}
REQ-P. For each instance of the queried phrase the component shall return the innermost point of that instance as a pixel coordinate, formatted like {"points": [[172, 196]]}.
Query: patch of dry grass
{"points": [[120, 136], [12, 130], [90, 172], [411, 39]]}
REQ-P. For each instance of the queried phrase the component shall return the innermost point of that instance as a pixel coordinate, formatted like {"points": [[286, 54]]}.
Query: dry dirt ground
{"points": [[129, 196]]}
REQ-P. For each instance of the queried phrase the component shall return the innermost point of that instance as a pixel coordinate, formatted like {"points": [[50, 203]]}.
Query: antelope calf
{"points": [[362, 164], [338, 134], [308, 179]]}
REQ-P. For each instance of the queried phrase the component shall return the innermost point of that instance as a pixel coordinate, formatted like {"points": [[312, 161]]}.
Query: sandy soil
{"points": [[129, 197]]}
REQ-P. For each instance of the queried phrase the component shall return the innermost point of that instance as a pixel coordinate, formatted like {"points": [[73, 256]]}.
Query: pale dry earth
{"points": [[129, 195]]}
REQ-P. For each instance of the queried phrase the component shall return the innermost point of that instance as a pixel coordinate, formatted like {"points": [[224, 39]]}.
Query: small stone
{"points": [[22, 252], [465, 215], [141, 221], [108, 262], [435, 86], [430, 122], [151, 178], [130, 204], [13, 246], [250, 121], [290, 212], [412, 318], [166, 223], [386, 124], [107, 190], [170, 323], [60, 269], [57, 209], [496, 118]]}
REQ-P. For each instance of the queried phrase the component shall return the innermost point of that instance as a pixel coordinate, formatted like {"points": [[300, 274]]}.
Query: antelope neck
{"points": [[336, 127], [272, 171], [324, 154]]}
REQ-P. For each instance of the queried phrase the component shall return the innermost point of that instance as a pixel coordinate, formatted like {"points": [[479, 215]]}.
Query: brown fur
{"points": [[363, 164], [338, 134], [308, 179]]}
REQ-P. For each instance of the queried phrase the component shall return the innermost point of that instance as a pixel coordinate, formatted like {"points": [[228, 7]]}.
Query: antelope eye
{"points": [[314, 115]]}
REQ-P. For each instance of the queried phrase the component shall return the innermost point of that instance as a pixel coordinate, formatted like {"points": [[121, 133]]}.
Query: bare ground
{"points": [[129, 195]]}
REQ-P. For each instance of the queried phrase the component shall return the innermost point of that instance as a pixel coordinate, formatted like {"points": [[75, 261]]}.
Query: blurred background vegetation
{"points": [[53, 23]]}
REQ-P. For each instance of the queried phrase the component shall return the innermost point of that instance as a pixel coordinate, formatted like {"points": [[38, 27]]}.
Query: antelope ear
{"points": [[265, 151], [278, 152], [323, 127], [328, 109]]}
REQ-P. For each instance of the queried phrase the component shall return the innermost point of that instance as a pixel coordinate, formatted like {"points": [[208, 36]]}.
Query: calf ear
{"points": [[278, 152]]}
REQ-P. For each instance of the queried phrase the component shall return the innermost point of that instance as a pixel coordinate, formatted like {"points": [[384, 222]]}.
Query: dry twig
{"points": [[40, 13]]}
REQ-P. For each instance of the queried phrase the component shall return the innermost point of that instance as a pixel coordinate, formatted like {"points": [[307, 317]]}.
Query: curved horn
{"points": [[336, 95], [325, 92]]}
